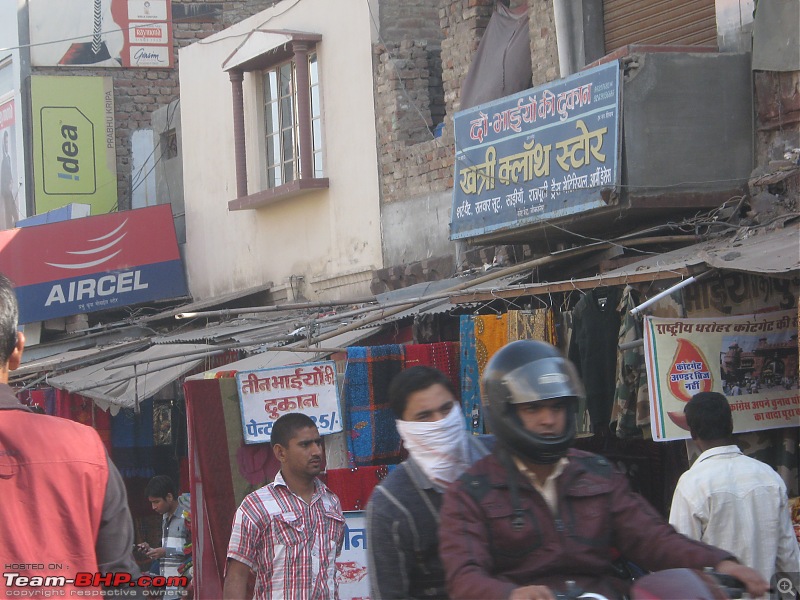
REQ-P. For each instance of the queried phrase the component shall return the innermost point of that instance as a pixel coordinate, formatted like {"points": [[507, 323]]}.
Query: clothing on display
{"points": [[631, 410], [593, 350], [370, 421], [470, 376]]}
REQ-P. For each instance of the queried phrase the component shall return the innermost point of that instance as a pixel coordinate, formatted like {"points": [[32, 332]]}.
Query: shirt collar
{"points": [[559, 469], [280, 481], [8, 401], [718, 451]]}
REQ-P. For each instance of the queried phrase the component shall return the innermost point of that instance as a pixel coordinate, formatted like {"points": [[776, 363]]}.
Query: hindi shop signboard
{"points": [[351, 566], [266, 394], [544, 153], [94, 263], [751, 359]]}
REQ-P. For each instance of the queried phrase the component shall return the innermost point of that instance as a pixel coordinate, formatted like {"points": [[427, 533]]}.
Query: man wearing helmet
{"points": [[536, 513]]}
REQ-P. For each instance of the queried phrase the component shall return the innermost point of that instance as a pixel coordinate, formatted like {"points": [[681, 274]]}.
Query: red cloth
{"points": [[441, 355], [354, 486], [211, 484], [102, 423], [74, 407], [257, 463]]}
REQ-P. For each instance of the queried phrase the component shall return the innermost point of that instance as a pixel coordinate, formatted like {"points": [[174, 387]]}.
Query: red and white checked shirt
{"points": [[290, 545]]}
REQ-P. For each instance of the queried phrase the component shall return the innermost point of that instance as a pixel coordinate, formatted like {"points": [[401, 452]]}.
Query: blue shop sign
{"points": [[541, 154]]}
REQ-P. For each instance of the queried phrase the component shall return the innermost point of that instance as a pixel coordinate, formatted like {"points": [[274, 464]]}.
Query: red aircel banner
{"points": [[94, 263]]}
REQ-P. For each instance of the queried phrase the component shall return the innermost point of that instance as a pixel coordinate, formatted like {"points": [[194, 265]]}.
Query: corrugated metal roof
{"points": [[440, 305], [771, 252], [121, 387], [270, 359]]}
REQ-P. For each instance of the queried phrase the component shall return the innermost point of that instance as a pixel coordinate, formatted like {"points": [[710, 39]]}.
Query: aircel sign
{"points": [[95, 263]]}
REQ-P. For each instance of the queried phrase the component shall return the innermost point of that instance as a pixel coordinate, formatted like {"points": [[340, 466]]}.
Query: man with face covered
{"points": [[402, 514], [536, 514]]}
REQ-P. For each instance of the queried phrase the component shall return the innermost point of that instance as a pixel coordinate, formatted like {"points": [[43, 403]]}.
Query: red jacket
{"points": [[485, 556], [53, 476]]}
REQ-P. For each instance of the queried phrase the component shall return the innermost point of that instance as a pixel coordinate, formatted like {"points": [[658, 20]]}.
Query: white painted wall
{"points": [[330, 237]]}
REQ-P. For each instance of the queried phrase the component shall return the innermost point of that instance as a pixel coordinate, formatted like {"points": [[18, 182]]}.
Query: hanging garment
{"points": [[538, 324], [132, 441], [593, 349], [491, 334], [443, 356], [470, 377], [354, 486], [370, 421], [631, 411]]}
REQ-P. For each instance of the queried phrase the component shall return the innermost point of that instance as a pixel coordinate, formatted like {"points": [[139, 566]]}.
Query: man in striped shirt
{"points": [[290, 531]]}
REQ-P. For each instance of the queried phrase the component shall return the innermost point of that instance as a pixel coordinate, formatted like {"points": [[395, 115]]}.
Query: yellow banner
{"points": [[74, 156], [751, 359]]}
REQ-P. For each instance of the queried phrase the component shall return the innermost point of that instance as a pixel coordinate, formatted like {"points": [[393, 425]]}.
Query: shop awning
{"points": [[122, 387], [770, 253], [285, 356]]}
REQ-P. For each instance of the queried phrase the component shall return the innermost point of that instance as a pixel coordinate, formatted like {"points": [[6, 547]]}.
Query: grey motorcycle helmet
{"points": [[529, 371]]}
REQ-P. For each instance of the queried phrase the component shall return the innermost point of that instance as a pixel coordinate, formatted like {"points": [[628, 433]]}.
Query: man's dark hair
{"points": [[9, 315], [159, 486], [413, 380], [287, 426], [709, 416]]}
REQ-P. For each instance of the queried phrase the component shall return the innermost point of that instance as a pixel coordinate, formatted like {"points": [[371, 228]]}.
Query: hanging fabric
{"points": [[370, 421], [491, 334], [470, 377], [593, 350], [631, 410], [162, 422], [537, 324], [354, 486], [132, 441], [443, 356]]}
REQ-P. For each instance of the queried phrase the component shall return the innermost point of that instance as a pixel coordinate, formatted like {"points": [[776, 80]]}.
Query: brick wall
{"points": [[544, 49], [139, 92], [414, 76]]}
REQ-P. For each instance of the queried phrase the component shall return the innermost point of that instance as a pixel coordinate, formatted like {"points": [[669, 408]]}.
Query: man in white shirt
{"points": [[732, 501]]}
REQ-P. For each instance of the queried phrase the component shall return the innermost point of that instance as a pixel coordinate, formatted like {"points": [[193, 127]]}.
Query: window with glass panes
{"points": [[281, 120]]}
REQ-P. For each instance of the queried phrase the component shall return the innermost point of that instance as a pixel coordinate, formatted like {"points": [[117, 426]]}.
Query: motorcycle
{"points": [[671, 584]]}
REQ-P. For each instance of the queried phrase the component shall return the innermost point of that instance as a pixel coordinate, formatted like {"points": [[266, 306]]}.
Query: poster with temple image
{"points": [[751, 359]]}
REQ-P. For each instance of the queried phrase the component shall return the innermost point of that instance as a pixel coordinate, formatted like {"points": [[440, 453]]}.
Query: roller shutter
{"points": [[659, 22]]}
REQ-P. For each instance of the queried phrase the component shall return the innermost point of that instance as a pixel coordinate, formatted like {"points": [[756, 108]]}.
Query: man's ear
{"points": [[279, 451], [16, 356]]}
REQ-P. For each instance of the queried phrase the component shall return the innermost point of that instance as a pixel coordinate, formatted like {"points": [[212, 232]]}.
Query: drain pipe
{"points": [[563, 16], [689, 280]]}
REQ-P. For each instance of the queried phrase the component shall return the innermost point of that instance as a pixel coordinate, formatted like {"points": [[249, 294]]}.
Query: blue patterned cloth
{"points": [[373, 436], [132, 441], [470, 377]]}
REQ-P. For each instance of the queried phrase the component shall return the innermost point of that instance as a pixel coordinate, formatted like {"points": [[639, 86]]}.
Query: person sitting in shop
{"points": [[537, 514], [402, 514]]}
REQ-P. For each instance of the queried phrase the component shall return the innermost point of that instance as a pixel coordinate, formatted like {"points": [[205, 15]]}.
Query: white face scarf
{"points": [[438, 447]]}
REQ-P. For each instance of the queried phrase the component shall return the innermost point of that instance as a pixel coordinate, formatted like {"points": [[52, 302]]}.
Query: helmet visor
{"points": [[544, 379]]}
